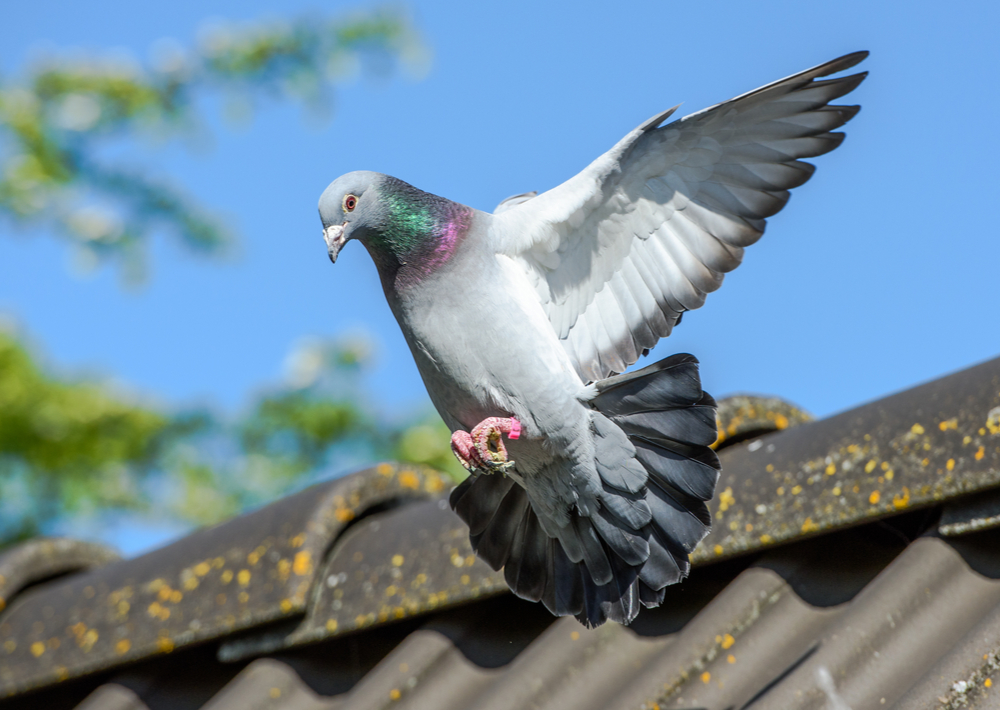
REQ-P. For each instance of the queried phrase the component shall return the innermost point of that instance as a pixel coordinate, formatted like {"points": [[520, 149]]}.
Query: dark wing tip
{"points": [[845, 84], [846, 112], [841, 63]]}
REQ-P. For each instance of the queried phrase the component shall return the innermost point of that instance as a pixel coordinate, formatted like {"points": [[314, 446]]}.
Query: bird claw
{"points": [[464, 450], [483, 448]]}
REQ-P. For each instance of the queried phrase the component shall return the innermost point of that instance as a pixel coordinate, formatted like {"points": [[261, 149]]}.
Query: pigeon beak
{"points": [[334, 238]]}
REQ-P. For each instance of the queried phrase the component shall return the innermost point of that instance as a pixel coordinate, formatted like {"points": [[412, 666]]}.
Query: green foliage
{"points": [[428, 441], [296, 428], [77, 447], [63, 445], [299, 426], [55, 121], [59, 429]]}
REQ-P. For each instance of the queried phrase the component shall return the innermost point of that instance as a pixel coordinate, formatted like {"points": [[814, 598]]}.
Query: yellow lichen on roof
{"points": [[409, 479], [726, 499], [302, 564]]}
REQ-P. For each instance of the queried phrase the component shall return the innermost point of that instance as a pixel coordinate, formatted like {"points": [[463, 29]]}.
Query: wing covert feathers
{"points": [[644, 233], [652, 508]]}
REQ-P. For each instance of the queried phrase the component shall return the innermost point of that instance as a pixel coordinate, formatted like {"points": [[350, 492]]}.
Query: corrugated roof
{"points": [[363, 593]]}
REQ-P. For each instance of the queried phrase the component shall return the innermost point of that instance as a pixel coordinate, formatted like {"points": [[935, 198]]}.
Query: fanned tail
{"points": [[652, 430]]}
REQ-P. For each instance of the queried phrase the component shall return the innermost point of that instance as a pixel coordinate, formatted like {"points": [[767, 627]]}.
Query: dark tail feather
{"points": [[653, 511], [628, 544], [671, 423], [650, 597], [493, 507], [694, 424], [527, 569], [694, 470], [618, 600], [477, 499], [564, 585], [662, 568], [643, 391]]}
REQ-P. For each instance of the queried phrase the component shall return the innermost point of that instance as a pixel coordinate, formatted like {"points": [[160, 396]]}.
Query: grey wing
{"points": [[618, 252]]}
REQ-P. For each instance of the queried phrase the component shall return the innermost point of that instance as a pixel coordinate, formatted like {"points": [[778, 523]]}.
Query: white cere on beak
{"points": [[334, 238]]}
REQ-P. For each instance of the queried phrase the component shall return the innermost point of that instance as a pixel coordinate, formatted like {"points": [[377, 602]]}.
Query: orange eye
{"points": [[350, 202]]}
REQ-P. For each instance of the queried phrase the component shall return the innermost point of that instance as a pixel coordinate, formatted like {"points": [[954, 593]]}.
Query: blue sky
{"points": [[880, 273]]}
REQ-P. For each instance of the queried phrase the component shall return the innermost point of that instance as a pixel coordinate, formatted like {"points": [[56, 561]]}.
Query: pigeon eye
{"points": [[350, 202]]}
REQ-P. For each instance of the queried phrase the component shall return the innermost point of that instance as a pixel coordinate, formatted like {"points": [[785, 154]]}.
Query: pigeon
{"points": [[588, 482]]}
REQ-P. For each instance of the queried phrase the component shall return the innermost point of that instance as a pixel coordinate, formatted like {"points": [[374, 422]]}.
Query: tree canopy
{"points": [[57, 119], [70, 446]]}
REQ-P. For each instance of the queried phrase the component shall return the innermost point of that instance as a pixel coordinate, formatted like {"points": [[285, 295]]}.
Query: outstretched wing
{"points": [[618, 252]]}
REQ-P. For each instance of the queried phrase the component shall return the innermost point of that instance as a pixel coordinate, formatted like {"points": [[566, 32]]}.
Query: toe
{"points": [[464, 449]]}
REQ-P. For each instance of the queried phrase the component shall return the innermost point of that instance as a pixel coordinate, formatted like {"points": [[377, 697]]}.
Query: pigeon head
{"points": [[402, 227], [348, 208]]}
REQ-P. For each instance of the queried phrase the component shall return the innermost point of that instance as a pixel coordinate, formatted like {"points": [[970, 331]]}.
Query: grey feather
{"points": [[594, 554], [494, 543], [644, 391], [526, 571], [625, 543], [687, 472], [681, 521], [564, 584], [662, 568], [478, 499], [630, 510], [614, 457], [649, 597], [616, 601], [693, 424]]}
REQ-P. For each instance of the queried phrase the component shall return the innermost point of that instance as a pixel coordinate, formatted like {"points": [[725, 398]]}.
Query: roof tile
{"points": [[251, 570]]}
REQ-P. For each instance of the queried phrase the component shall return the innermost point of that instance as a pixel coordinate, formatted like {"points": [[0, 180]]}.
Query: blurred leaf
{"points": [[75, 448], [55, 121], [429, 442], [299, 427], [64, 446], [68, 429]]}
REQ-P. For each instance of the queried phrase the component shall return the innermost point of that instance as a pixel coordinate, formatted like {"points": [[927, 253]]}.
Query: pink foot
{"points": [[465, 450], [474, 450]]}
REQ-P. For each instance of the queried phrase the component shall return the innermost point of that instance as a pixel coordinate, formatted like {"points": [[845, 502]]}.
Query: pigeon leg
{"points": [[474, 450], [487, 437]]}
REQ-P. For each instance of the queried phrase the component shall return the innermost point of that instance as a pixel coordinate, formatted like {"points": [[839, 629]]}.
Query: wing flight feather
{"points": [[618, 252]]}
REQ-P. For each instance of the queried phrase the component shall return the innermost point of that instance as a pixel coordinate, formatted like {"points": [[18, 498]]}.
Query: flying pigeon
{"points": [[523, 323]]}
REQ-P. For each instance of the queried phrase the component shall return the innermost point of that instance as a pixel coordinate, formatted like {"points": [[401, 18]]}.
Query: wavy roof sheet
{"points": [[854, 564]]}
